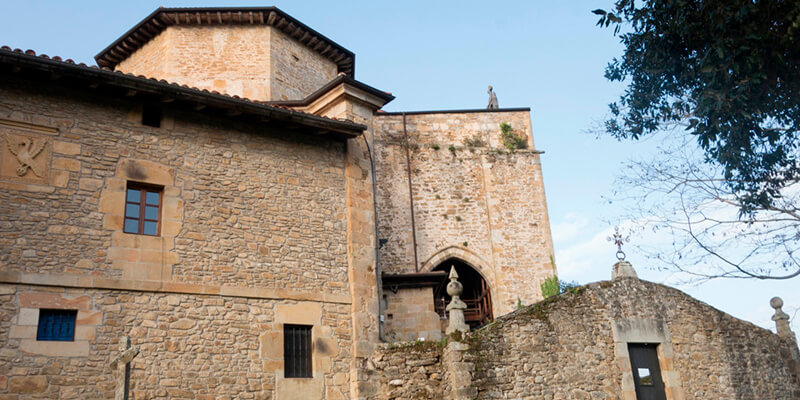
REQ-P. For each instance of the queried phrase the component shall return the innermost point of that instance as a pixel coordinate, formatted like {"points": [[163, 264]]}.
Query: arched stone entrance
{"points": [[477, 294]]}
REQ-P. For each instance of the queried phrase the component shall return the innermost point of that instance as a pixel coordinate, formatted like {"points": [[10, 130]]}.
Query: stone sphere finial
{"points": [[454, 288], [781, 319], [457, 306], [776, 302]]}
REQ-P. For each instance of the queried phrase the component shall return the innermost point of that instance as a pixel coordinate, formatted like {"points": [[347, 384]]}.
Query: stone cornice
{"points": [[94, 282]]}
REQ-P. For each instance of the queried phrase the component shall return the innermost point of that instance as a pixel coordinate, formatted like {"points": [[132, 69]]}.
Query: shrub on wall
{"points": [[550, 287], [511, 140], [474, 141]]}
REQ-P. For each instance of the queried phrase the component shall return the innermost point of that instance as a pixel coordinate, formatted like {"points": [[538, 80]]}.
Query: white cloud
{"points": [[573, 226], [587, 261]]}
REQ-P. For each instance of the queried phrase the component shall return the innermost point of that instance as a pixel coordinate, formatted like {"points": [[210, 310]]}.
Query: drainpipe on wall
{"points": [[411, 196], [378, 280]]}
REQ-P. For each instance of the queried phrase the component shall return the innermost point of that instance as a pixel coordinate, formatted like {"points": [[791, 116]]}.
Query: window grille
{"points": [[297, 351], [57, 325]]}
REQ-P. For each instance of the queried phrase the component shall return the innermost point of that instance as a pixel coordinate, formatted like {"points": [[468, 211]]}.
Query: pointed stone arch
{"points": [[476, 276], [466, 255]]}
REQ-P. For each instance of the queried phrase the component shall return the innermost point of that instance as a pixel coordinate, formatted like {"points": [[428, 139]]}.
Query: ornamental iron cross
{"points": [[618, 241], [123, 366]]}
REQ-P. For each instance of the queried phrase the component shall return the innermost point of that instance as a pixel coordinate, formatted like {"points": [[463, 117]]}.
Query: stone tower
{"points": [[258, 53], [450, 192]]}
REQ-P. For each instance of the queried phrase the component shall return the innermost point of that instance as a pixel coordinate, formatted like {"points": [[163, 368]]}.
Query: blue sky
{"points": [[442, 55]]}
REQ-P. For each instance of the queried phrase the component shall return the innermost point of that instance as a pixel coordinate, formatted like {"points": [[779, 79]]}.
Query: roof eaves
{"points": [[385, 96], [161, 18], [69, 69]]}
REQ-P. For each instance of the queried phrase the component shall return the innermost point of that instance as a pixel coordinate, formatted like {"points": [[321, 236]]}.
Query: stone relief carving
{"points": [[26, 149]]}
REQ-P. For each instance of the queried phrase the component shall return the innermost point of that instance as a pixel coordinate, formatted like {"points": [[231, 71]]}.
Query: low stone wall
{"points": [[575, 346], [570, 347], [410, 370]]}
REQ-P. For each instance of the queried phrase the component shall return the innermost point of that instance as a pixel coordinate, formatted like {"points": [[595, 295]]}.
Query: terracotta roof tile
{"points": [[162, 18], [57, 59]]}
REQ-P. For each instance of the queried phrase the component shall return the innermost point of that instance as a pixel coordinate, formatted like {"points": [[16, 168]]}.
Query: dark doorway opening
{"points": [[476, 295], [646, 371]]}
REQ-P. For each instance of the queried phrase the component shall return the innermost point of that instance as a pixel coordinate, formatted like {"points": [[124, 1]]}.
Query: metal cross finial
{"points": [[618, 241]]}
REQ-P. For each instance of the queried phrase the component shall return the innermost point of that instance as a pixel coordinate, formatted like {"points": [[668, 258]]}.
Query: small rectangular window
{"points": [[297, 351], [151, 116], [143, 209], [57, 325]]}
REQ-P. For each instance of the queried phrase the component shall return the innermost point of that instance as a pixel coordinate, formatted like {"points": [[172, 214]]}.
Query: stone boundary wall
{"points": [[485, 200], [574, 346], [564, 348], [245, 207], [410, 370]]}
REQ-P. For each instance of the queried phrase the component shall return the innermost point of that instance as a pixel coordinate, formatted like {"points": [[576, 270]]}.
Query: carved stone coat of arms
{"points": [[24, 157]]}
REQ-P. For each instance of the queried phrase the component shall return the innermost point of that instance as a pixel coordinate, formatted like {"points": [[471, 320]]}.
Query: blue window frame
{"points": [[58, 325]]}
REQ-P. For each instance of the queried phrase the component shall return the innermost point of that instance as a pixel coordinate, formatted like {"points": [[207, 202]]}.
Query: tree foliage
{"points": [[728, 71]]}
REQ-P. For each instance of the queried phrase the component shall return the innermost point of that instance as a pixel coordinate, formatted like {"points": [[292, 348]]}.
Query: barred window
{"points": [[56, 325], [297, 351]]}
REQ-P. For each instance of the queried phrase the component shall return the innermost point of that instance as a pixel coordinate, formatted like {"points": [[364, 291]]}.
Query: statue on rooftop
{"points": [[492, 100]]}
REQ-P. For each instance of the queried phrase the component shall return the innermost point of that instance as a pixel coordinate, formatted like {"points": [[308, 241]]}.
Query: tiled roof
{"points": [[162, 18], [235, 105], [385, 96]]}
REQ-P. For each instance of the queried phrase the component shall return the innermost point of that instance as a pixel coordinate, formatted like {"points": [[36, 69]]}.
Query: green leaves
{"points": [[607, 18], [728, 70], [511, 140]]}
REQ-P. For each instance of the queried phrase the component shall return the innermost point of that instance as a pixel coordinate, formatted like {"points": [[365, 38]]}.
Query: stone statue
{"points": [[492, 100], [122, 363], [457, 306]]}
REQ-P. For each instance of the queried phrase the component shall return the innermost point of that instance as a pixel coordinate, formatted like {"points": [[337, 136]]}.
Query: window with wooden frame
{"points": [[143, 209], [297, 351]]}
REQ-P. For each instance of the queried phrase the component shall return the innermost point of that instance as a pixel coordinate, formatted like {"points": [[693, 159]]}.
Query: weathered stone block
{"points": [[66, 148], [27, 384]]}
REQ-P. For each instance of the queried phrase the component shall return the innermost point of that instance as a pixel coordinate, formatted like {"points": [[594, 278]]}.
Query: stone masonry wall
{"points": [[564, 348], [410, 315], [151, 59], [191, 346], [296, 70], [409, 371], [255, 62], [245, 206], [571, 346], [482, 204]]}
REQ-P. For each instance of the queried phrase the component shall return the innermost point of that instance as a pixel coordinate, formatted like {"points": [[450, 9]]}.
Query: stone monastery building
{"points": [[221, 191]]}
